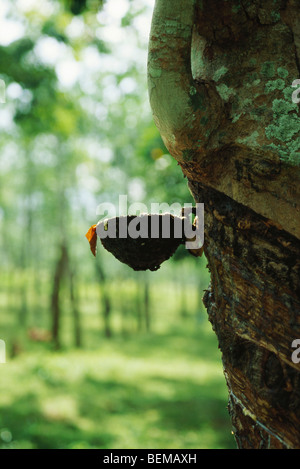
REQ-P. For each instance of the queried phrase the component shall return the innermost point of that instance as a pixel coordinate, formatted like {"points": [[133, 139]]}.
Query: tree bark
{"points": [[236, 136], [147, 303], [55, 295], [74, 307], [106, 303]]}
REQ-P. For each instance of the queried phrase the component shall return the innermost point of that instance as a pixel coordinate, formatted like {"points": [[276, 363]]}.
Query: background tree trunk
{"points": [[74, 308], [106, 303], [220, 76], [147, 303], [55, 295]]}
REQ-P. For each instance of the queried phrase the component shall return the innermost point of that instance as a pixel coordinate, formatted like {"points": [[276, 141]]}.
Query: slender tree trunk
{"points": [[106, 303], [183, 298], [64, 271], [24, 282], [23, 309], [125, 310], [138, 306], [55, 296], [220, 76], [75, 310], [147, 312]]}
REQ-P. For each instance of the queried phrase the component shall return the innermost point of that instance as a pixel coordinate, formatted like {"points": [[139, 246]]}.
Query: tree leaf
{"points": [[92, 238]]}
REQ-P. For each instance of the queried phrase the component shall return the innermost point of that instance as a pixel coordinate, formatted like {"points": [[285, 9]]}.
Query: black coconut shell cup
{"points": [[160, 236]]}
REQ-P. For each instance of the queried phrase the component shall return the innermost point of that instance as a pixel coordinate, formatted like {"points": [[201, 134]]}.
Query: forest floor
{"points": [[162, 389]]}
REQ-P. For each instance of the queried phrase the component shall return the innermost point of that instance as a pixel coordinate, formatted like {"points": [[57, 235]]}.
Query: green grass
{"points": [[158, 390], [166, 391]]}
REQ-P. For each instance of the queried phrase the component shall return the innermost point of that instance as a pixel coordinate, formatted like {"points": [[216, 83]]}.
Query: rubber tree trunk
{"points": [[220, 80]]}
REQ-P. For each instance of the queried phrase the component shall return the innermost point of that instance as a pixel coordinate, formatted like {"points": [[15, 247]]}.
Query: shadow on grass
{"points": [[113, 407], [186, 407], [148, 391], [29, 428]]}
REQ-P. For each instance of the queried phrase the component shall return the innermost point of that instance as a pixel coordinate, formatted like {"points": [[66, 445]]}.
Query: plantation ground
{"points": [[162, 389]]}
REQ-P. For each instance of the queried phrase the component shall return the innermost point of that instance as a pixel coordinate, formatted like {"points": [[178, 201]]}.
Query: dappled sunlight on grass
{"points": [[147, 392], [158, 389]]}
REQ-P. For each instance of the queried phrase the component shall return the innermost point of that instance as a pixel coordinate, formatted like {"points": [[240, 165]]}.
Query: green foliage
{"points": [[76, 6], [268, 69], [49, 28]]}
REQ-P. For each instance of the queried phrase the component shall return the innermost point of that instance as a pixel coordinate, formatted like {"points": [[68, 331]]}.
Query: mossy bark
{"points": [[226, 114]]}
